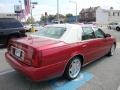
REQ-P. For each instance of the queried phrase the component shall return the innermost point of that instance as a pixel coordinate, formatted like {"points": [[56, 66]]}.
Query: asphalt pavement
{"points": [[103, 74]]}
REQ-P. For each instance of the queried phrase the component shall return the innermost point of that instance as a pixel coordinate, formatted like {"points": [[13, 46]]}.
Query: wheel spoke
{"points": [[74, 68]]}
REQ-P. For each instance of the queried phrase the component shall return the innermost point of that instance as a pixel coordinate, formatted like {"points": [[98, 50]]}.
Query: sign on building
{"points": [[17, 8]]}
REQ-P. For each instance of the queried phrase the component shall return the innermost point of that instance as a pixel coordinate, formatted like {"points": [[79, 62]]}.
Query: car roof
{"points": [[62, 25], [70, 25], [8, 19]]}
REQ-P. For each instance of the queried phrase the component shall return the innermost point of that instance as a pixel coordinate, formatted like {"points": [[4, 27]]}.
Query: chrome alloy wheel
{"points": [[74, 68], [112, 50]]}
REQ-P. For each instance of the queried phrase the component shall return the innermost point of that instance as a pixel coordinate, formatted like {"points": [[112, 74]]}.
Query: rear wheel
{"points": [[73, 68], [112, 50]]}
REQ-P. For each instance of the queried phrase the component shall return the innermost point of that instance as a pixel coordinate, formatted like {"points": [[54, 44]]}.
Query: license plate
{"points": [[18, 53]]}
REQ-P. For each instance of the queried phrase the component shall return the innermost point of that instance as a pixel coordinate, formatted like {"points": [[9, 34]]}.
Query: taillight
{"points": [[29, 55], [37, 58]]}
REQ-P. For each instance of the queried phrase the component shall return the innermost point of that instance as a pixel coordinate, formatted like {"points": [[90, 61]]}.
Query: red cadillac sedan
{"points": [[59, 49]]}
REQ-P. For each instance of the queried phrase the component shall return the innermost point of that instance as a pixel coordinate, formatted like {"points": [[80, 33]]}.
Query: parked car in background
{"points": [[27, 27], [114, 26], [59, 49], [10, 28], [35, 26]]}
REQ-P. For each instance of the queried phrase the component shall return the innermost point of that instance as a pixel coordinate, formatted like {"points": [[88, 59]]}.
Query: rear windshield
{"points": [[9, 23], [52, 32]]}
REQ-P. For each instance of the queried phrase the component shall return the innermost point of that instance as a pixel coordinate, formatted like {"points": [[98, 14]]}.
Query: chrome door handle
{"points": [[84, 45]]}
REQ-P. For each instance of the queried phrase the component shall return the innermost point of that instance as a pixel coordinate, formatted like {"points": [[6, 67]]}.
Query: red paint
{"points": [[46, 58]]}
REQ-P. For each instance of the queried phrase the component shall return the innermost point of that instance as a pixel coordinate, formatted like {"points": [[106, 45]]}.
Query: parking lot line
{"points": [[83, 78], [6, 72]]}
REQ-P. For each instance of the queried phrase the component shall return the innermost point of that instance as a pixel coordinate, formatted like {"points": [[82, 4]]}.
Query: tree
{"points": [[51, 17], [42, 18], [30, 20], [68, 15], [60, 16]]}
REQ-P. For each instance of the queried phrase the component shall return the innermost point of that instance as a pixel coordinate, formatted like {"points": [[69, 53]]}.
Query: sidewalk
{"points": [[4, 66]]}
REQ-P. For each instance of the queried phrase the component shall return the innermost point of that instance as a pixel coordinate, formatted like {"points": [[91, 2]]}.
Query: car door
{"points": [[89, 44], [104, 44]]}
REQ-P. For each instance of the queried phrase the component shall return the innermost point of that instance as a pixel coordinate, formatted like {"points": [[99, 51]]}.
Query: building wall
{"points": [[107, 16], [102, 16], [99, 15], [114, 16], [88, 14]]}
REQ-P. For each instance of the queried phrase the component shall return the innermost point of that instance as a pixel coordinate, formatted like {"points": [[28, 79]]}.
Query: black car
{"points": [[10, 28]]}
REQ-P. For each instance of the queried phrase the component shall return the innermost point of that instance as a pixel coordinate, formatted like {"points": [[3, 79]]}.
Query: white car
{"points": [[114, 26]]}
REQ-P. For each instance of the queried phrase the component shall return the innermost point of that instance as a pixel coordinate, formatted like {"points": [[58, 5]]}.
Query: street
{"points": [[103, 74]]}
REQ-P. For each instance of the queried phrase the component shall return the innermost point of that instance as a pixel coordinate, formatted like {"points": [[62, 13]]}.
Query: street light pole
{"points": [[75, 2], [76, 12], [58, 17], [31, 7], [31, 13]]}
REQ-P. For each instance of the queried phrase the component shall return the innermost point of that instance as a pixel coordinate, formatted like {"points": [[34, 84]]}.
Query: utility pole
{"points": [[32, 5], [21, 7], [58, 17], [76, 13], [75, 2]]}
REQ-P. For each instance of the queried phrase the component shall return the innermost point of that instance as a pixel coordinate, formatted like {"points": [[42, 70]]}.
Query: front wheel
{"points": [[73, 68], [112, 50]]}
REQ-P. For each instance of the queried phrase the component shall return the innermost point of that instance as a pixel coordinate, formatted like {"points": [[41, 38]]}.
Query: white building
{"points": [[107, 16], [8, 15]]}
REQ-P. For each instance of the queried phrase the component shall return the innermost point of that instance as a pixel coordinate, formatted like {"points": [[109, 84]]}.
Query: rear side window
{"points": [[52, 32], [9, 23], [88, 33], [99, 33]]}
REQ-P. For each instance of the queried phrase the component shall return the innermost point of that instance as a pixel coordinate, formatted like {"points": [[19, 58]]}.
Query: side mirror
{"points": [[107, 35]]}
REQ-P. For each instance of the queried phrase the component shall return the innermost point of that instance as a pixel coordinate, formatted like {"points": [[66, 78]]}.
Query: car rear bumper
{"points": [[33, 73]]}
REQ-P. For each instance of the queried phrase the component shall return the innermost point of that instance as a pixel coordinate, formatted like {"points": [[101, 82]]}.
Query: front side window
{"points": [[52, 32], [88, 33], [99, 33]]}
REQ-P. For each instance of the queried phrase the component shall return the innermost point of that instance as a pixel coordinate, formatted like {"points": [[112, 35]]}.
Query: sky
{"points": [[65, 6]]}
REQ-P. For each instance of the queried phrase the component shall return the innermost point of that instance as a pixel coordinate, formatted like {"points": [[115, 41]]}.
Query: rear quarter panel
{"points": [[59, 56]]}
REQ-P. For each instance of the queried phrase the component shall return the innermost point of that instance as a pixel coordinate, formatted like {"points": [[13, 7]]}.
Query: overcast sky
{"points": [[49, 6]]}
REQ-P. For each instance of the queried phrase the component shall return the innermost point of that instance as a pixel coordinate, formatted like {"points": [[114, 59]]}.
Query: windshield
{"points": [[9, 23], [52, 32]]}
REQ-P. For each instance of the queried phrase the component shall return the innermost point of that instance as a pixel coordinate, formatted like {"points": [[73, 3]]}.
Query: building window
{"points": [[118, 13], [113, 14]]}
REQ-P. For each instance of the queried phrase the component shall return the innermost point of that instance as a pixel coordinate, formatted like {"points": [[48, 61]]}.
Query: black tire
{"points": [[67, 73], [112, 50], [117, 28]]}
